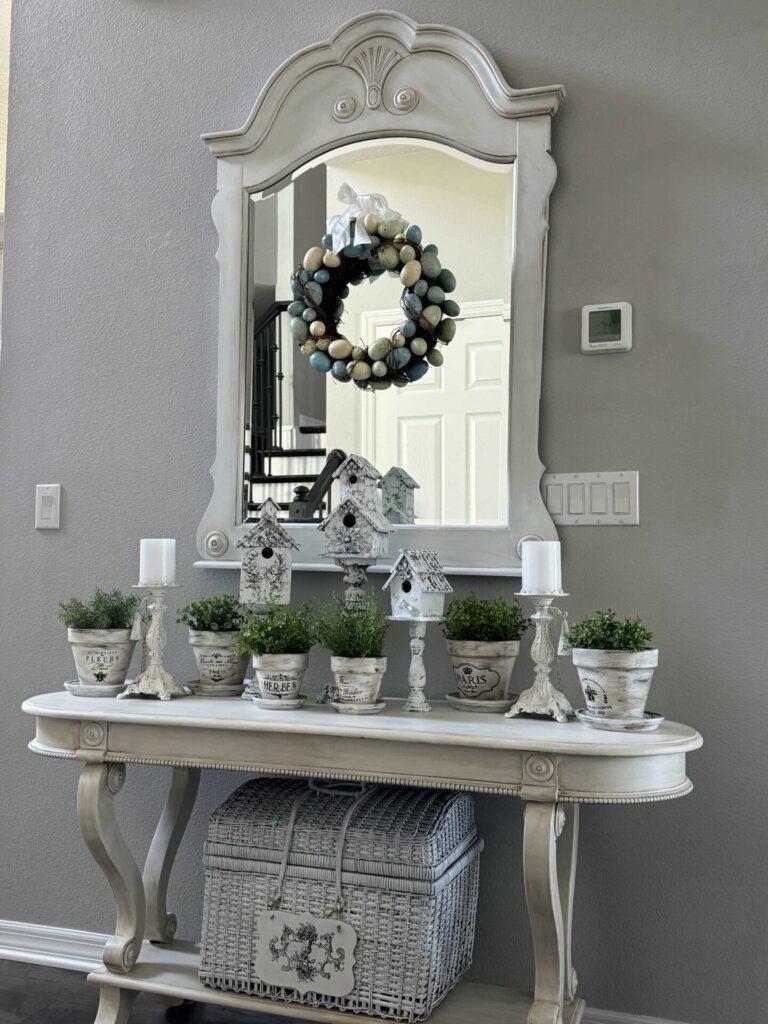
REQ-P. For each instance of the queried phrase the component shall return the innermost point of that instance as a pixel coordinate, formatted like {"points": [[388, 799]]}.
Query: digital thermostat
{"points": [[607, 327]]}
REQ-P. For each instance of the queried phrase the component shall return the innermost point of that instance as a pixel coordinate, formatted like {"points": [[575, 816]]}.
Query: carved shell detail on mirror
{"points": [[373, 64]]}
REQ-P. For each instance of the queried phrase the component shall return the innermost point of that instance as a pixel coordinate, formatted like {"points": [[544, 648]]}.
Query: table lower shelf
{"points": [[172, 971]]}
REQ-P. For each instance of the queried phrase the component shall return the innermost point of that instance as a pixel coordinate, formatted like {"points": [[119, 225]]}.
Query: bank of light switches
{"points": [[593, 499]]}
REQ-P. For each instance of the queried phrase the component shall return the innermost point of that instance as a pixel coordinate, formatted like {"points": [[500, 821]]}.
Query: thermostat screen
{"points": [[605, 325]]}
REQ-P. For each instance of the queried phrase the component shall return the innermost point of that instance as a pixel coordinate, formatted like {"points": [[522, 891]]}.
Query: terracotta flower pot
{"points": [[280, 676], [357, 680], [220, 669], [102, 657], [483, 669], [615, 683]]}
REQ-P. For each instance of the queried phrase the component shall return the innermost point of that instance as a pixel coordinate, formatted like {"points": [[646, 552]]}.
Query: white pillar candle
{"points": [[541, 567], [157, 562]]}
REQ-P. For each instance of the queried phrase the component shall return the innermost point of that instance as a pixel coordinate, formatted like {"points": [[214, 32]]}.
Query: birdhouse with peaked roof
{"points": [[397, 495], [355, 533], [417, 586], [265, 573], [357, 480]]}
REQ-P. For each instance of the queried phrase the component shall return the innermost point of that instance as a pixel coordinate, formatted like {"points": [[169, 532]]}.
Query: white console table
{"points": [[551, 767]]}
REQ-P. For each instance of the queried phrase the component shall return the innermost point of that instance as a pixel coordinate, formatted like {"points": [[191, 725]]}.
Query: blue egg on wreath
{"points": [[339, 371], [320, 361], [416, 370]]}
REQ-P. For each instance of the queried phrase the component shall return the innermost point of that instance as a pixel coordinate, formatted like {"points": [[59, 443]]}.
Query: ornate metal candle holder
{"points": [[542, 698], [154, 680]]}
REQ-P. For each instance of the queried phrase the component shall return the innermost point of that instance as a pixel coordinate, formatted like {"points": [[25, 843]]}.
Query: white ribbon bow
{"points": [[339, 226]]}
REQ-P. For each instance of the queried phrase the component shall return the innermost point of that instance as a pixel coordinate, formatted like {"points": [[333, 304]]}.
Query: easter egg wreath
{"points": [[322, 282]]}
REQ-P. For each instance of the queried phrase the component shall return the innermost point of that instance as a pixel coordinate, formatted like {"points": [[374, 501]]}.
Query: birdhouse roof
{"points": [[269, 509], [267, 533], [371, 515], [423, 567], [357, 464], [398, 471]]}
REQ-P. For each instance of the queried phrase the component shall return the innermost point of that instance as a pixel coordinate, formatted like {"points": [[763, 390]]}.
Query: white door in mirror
{"points": [[606, 327]]}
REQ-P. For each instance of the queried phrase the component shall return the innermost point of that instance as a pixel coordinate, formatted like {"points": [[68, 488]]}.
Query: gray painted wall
{"points": [[108, 386]]}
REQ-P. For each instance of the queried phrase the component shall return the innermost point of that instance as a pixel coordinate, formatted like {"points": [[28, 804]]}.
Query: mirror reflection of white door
{"points": [[448, 430]]}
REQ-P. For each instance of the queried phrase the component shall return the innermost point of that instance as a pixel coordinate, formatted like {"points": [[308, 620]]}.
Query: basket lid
{"points": [[421, 828]]}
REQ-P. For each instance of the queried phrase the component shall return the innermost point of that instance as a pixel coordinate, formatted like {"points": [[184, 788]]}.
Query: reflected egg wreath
{"points": [[323, 281]]}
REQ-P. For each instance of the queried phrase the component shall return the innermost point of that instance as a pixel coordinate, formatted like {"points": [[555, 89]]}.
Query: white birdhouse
{"points": [[357, 480], [417, 586], [397, 495], [265, 573], [355, 533]]}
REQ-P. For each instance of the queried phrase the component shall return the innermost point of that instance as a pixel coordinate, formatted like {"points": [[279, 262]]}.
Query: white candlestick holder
{"points": [[154, 680], [417, 673], [542, 698]]}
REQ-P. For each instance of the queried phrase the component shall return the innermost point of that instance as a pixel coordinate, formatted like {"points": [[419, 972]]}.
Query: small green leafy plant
{"points": [[355, 631], [105, 610], [278, 630], [484, 620], [604, 632], [213, 615]]}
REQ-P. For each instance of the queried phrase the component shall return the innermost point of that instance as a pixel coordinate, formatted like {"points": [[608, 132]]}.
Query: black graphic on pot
{"points": [[476, 682]]}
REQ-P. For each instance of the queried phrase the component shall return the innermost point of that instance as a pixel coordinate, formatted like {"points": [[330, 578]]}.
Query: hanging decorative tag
{"points": [[563, 647], [309, 954]]}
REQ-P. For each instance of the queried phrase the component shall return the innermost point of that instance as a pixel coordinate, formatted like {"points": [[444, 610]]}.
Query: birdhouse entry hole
{"points": [[353, 478], [267, 552], [407, 586], [349, 520]]}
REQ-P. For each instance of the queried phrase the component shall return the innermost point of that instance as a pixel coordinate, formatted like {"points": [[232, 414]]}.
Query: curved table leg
{"points": [[114, 1005], [99, 784], [549, 909], [161, 926], [567, 852]]}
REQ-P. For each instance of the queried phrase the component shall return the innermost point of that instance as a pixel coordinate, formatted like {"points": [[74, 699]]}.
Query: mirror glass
{"points": [[448, 430]]}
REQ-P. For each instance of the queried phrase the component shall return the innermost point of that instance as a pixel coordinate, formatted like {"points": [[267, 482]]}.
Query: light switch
{"points": [[47, 506], [593, 499]]}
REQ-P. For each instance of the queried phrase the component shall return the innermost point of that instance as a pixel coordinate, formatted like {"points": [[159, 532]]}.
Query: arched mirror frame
{"points": [[382, 75]]}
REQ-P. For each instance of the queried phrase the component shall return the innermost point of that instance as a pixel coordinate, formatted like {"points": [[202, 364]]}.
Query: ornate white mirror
{"points": [[421, 118]]}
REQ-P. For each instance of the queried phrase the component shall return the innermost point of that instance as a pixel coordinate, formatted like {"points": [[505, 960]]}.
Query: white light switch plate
{"points": [[47, 506], [593, 499]]}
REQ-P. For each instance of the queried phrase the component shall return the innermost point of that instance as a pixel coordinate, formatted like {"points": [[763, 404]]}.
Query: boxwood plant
{"points": [[484, 620], [604, 632], [278, 630], [105, 610], [220, 614]]}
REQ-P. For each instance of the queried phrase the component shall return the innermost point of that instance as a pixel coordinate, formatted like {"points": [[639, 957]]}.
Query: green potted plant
{"points": [[615, 664], [214, 627], [354, 634], [279, 640], [99, 631], [483, 637]]}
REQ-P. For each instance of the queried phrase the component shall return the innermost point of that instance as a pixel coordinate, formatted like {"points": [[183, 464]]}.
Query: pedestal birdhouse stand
{"points": [[265, 573], [397, 495], [355, 536], [417, 587], [358, 480]]}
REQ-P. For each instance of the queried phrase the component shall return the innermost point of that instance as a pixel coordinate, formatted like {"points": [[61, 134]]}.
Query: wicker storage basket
{"points": [[395, 868]]}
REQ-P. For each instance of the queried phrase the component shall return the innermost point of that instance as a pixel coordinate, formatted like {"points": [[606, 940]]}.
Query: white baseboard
{"points": [[54, 947], [81, 951]]}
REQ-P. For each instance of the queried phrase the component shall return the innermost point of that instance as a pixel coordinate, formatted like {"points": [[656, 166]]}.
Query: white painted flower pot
{"points": [[357, 680], [483, 669], [615, 683], [220, 669], [102, 657], [280, 676]]}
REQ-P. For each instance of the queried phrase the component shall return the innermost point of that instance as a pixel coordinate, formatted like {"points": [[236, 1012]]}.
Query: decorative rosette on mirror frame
{"points": [[323, 281]]}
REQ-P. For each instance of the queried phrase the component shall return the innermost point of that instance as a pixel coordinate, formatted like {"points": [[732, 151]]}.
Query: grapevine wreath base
{"points": [[322, 282]]}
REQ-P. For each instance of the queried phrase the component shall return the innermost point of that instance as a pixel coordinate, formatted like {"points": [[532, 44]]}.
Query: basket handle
{"points": [[358, 792]]}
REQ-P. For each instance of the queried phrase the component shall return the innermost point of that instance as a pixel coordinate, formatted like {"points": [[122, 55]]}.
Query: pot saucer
{"points": [[208, 690], [487, 707], [358, 709], [278, 703], [647, 723], [79, 689]]}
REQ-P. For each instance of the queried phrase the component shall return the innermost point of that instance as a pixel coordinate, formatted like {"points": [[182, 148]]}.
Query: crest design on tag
{"points": [[311, 954]]}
